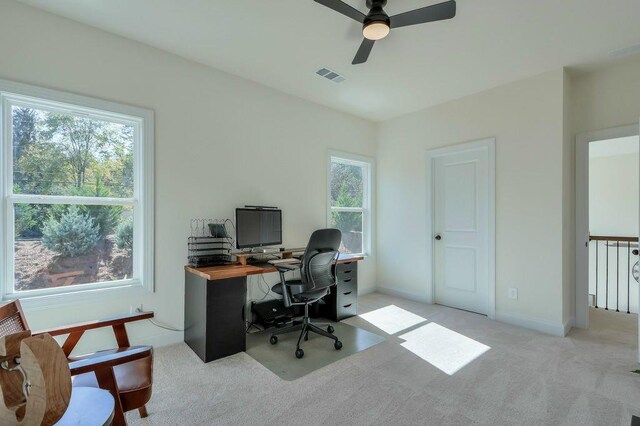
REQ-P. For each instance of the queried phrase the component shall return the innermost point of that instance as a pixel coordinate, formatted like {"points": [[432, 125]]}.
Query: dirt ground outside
{"points": [[37, 267]]}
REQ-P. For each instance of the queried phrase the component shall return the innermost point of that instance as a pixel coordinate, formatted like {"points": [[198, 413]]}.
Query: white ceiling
{"points": [[613, 147], [281, 43]]}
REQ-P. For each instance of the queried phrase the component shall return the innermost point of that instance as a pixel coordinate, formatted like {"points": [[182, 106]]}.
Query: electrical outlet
{"points": [[513, 293]]}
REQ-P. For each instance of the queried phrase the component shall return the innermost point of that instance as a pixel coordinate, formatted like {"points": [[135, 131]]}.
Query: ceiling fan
{"points": [[376, 25]]}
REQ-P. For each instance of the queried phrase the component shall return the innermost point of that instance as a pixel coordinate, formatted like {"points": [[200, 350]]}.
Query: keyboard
{"points": [[285, 261]]}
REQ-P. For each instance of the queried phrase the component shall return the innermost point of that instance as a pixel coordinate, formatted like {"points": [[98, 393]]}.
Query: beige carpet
{"points": [[525, 378]]}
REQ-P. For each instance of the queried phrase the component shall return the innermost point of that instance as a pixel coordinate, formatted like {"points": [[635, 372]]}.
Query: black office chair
{"points": [[317, 275]]}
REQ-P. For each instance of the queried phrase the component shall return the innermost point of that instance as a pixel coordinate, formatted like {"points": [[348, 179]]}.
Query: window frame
{"points": [[368, 165], [142, 201]]}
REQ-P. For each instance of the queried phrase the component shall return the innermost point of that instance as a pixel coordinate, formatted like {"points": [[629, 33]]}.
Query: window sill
{"points": [[93, 295]]}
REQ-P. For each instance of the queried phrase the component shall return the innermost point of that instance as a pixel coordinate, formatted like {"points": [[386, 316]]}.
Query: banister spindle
{"points": [[606, 306], [628, 273], [617, 276], [597, 244]]}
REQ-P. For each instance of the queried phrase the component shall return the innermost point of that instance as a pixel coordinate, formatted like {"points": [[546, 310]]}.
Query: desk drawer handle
{"points": [[347, 272], [347, 293], [346, 281], [346, 263], [346, 306]]}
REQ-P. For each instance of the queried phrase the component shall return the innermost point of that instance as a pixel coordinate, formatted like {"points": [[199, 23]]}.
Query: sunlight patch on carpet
{"points": [[392, 319], [443, 348]]}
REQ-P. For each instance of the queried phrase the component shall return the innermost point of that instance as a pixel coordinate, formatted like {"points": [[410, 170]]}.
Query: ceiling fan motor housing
{"points": [[373, 3], [376, 14]]}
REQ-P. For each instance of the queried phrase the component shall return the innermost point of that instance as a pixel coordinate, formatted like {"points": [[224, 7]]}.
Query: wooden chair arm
{"points": [[109, 359], [75, 331], [90, 325], [101, 364]]}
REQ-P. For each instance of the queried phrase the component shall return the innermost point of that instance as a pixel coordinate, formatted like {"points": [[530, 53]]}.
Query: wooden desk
{"points": [[213, 273], [215, 299]]}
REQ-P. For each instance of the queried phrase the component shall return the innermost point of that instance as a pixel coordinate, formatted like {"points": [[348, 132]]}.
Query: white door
{"points": [[461, 230]]}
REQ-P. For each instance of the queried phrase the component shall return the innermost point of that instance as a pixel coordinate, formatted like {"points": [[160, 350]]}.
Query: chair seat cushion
{"points": [[134, 380], [310, 295], [295, 285], [298, 293]]}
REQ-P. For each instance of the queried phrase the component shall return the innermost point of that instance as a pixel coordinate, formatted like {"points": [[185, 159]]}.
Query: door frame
{"points": [[582, 214], [488, 145]]}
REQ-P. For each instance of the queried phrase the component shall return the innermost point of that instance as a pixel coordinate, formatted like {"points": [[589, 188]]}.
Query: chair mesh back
{"points": [[317, 264], [11, 324], [320, 269]]}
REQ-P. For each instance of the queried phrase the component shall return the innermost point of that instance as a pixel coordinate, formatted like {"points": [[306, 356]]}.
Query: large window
{"points": [[350, 201], [77, 195]]}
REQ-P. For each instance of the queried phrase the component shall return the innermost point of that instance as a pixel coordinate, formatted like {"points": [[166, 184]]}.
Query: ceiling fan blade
{"points": [[363, 52], [345, 9], [436, 12]]}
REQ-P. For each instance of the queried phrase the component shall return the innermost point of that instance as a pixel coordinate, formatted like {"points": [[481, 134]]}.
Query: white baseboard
{"points": [[555, 329], [404, 294], [569, 324], [363, 291], [164, 338]]}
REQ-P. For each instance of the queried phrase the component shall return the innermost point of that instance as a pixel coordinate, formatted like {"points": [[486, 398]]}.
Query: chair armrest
{"points": [[108, 359], [286, 268], [90, 325], [75, 331]]}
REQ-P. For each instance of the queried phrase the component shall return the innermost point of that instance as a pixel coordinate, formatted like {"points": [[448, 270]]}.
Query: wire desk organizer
{"points": [[209, 243]]}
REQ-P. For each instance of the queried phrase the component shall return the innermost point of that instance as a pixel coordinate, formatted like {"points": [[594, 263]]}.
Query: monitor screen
{"points": [[258, 227]]}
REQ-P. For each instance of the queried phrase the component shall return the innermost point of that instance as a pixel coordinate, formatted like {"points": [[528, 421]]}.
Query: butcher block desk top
{"points": [[223, 272]]}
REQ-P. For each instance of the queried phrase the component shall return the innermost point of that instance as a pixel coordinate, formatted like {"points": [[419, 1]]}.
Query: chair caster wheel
{"points": [[330, 329], [299, 353], [273, 340], [337, 345]]}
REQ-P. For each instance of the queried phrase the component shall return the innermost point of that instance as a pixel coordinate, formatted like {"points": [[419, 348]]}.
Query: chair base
{"points": [[305, 328]]}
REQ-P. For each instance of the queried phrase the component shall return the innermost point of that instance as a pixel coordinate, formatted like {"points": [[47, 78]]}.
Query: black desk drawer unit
{"points": [[343, 301], [214, 316]]}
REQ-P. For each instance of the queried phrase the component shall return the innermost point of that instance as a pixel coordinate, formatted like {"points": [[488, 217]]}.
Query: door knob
{"points": [[438, 237]]}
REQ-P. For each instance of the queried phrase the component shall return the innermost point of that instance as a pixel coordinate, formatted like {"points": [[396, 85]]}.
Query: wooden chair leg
{"points": [[107, 381], [143, 411]]}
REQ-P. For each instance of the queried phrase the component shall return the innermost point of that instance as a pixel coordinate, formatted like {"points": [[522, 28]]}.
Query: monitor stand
{"points": [[286, 254], [265, 250]]}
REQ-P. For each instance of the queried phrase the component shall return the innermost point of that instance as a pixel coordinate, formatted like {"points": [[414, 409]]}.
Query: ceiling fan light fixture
{"points": [[376, 30]]}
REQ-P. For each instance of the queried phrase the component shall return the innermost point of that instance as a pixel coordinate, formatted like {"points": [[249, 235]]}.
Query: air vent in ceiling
{"points": [[330, 75]]}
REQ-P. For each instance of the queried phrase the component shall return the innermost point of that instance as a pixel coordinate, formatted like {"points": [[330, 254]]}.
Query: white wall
{"points": [[605, 97], [221, 142], [613, 195], [568, 208], [526, 118]]}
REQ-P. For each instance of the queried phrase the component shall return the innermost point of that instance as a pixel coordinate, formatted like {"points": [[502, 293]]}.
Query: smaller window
{"points": [[350, 201]]}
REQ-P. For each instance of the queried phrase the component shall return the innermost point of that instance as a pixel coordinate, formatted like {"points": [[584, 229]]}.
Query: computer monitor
{"points": [[257, 227]]}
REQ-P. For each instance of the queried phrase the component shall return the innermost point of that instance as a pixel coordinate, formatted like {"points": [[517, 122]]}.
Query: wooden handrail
{"points": [[610, 238]]}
